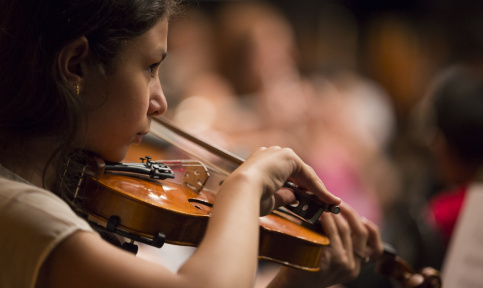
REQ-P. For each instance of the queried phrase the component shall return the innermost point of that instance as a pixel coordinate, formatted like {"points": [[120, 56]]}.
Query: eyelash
{"points": [[152, 68]]}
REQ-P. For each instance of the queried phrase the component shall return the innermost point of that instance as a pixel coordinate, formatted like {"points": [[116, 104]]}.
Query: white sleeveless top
{"points": [[33, 221]]}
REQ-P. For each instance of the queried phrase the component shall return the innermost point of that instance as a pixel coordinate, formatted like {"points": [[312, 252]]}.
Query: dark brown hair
{"points": [[458, 107], [34, 100]]}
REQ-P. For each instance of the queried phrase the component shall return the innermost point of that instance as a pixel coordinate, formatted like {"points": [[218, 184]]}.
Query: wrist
{"points": [[243, 179]]}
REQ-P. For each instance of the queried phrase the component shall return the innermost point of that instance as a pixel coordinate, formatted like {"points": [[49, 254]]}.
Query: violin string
{"points": [[211, 148], [163, 129]]}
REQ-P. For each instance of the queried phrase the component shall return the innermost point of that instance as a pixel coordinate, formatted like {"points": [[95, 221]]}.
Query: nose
{"points": [[157, 100]]}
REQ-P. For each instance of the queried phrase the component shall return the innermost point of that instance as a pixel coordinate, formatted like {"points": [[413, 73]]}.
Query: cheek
{"points": [[128, 99], [113, 124]]}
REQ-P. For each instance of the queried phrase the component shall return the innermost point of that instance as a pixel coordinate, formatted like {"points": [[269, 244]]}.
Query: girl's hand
{"points": [[353, 242], [254, 186], [272, 167]]}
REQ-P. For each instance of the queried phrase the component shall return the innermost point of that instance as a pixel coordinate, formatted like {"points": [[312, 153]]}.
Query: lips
{"points": [[139, 137]]}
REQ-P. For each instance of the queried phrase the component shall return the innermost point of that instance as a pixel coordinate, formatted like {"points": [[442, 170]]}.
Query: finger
{"points": [[338, 232], [282, 197], [374, 241], [359, 233], [267, 205], [415, 280], [307, 178], [344, 232], [330, 229], [358, 228]]}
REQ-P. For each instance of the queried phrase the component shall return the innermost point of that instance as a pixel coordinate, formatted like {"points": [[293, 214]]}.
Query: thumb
{"points": [[282, 197]]}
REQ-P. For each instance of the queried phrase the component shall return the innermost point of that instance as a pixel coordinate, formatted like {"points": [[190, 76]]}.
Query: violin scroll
{"points": [[392, 266]]}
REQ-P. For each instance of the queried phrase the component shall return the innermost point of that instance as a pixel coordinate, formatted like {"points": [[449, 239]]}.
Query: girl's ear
{"points": [[72, 58]]}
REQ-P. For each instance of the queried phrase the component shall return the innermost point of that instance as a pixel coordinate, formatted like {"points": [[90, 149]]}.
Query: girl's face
{"points": [[120, 105]]}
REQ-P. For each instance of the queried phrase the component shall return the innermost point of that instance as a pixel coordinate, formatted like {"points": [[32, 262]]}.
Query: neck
{"points": [[31, 162]]}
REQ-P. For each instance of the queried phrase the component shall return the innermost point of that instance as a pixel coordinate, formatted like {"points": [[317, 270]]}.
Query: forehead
{"points": [[151, 43], [155, 36]]}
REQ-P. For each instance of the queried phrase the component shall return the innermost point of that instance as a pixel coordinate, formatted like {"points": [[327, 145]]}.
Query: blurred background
{"points": [[340, 82]]}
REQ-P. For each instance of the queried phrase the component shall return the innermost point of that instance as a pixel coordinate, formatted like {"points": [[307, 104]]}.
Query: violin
{"points": [[149, 209], [146, 203]]}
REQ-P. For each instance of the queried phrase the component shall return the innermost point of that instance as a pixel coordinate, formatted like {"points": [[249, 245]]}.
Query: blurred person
{"points": [[353, 124], [456, 107], [453, 125], [199, 93], [448, 121], [258, 57]]}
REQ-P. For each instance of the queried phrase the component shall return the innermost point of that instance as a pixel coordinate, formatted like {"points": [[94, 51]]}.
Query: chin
{"points": [[114, 156]]}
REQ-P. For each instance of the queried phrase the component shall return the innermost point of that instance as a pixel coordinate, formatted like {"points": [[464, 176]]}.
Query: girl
{"points": [[83, 75]]}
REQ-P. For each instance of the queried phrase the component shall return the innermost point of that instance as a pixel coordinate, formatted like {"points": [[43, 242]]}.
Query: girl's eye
{"points": [[153, 69]]}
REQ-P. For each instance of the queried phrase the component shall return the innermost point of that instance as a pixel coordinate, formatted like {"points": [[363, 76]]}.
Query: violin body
{"points": [[147, 208]]}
